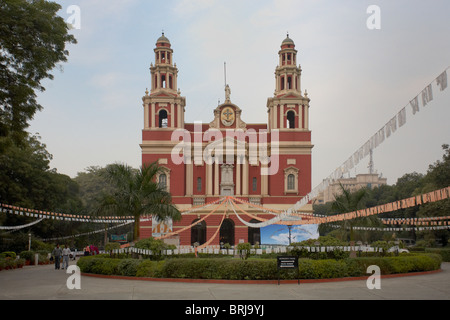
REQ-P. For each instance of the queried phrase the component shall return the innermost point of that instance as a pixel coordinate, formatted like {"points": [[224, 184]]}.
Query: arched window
{"points": [[289, 82], [162, 181], [227, 232], [199, 184], [291, 182], [163, 120], [254, 234], [291, 119], [198, 233]]}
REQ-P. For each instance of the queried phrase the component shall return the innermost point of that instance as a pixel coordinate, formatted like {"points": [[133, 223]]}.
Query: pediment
{"points": [[235, 122], [162, 94], [290, 95]]}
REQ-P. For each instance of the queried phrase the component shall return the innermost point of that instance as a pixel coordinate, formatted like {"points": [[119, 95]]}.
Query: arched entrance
{"points": [[227, 232], [254, 234], [198, 233]]}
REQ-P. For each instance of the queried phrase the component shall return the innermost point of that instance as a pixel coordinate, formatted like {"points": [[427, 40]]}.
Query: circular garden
{"points": [[331, 264]]}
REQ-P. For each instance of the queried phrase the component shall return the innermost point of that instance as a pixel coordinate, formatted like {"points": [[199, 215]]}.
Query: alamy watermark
{"points": [[230, 148], [374, 281], [74, 20], [374, 20], [74, 280]]}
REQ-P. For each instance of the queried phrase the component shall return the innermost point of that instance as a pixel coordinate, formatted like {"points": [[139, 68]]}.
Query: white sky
{"points": [[357, 78]]}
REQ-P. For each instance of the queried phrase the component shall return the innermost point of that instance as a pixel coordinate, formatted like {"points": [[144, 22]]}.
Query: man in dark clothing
{"points": [[57, 254]]}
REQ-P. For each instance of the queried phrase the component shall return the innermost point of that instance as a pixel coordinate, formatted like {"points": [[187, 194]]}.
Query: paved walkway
{"points": [[45, 283]]}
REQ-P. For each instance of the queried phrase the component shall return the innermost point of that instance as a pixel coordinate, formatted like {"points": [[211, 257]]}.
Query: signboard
{"points": [[286, 263], [160, 228], [119, 237]]}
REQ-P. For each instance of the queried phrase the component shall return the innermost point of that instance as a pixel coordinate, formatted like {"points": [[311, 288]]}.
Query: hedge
{"points": [[443, 252], [256, 269]]}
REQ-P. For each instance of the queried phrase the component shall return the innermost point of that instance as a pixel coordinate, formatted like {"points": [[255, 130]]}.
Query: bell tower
{"points": [[163, 106], [288, 109]]}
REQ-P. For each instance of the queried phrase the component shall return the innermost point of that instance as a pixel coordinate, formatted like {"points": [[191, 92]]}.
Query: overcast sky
{"points": [[357, 78]]}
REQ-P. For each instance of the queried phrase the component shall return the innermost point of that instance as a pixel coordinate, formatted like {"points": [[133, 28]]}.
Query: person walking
{"points": [[57, 252], [66, 253], [87, 251]]}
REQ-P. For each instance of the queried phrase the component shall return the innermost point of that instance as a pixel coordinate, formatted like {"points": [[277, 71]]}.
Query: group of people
{"points": [[65, 253], [90, 250]]}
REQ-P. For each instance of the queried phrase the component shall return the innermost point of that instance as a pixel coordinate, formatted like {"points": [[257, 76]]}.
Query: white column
{"points": [[189, 178], [264, 182], [146, 116], [238, 178], [172, 115], [281, 116], [245, 177], [306, 117], [153, 115], [216, 179], [275, 113], [209, 182]]}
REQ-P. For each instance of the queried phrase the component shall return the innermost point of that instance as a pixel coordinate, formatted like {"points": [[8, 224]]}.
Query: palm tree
{"points": [[137, 194], [349, 202]]}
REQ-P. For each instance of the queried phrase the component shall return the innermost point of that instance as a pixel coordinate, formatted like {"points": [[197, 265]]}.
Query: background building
{"points": [[368, 180]]}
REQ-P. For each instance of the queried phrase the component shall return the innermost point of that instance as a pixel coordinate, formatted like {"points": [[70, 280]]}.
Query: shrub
{"points": [[9, 263], [257, 269], [150, 269], [27, 255], [324, 241], [112, 246], [443, 252], [85, 263], [8, 254], [156, 246], [322, 269], [128, 267], [244, 250], [31, 255]]}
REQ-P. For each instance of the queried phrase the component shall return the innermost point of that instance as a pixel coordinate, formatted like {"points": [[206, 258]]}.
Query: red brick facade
{"points": [[238, 149]]}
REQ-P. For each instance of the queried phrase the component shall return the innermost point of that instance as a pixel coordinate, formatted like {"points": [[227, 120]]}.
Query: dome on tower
{"points": [[288, 41], [163, 39]]}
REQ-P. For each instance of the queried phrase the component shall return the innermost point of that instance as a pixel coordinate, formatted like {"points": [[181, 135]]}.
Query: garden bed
{"points": [[256, 269]]}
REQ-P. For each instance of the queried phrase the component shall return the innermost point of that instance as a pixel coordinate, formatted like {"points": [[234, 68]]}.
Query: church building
{"points": [[267, 165]]}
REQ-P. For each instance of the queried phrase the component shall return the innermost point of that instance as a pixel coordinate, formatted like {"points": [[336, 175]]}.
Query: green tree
{"points": [[438, 173], [349, 202], [33, 41], [437, 177], [93, 185], [26, 180], [137, 194]]}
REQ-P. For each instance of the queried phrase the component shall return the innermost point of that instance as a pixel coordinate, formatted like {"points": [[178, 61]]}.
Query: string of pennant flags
{"points": [[217, 250], [429, 197], [88, 233], [425, 221], [398, 229], [281, 218], [6, 208], [421, 100], [16, 228]]}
